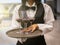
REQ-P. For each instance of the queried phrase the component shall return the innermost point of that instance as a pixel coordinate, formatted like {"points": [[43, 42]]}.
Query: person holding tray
{"points": [[43, 20]]}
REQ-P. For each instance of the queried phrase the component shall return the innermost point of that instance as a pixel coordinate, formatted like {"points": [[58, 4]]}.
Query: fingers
{"points": [[33, 29], [27, 29]]}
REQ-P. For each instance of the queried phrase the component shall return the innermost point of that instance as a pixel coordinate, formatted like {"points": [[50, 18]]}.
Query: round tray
{"points": [[16, 33]]}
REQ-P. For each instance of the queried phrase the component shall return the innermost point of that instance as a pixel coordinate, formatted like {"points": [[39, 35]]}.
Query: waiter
{"points": [[44, 19]]}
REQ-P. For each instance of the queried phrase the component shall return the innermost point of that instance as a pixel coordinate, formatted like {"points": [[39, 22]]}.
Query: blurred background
{"points": [[6, 9]]}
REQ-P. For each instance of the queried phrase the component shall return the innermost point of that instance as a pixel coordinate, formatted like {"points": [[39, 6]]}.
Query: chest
{"points": [[31, 13]]}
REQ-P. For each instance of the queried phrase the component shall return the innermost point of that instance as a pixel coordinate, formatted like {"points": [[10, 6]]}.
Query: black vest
{"points": [[39, 16]]}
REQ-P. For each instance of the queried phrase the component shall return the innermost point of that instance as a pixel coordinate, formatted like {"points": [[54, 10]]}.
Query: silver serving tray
{"points": [[17, 33]]}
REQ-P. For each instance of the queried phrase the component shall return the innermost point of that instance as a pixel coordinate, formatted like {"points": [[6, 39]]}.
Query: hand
{"points": [[31, 28]]}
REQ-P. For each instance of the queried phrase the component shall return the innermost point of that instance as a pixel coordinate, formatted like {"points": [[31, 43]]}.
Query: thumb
{"points": [[33, 29]]}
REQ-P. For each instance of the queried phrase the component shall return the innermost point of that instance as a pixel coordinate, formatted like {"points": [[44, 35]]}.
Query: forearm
{"points": [[45, 28]]}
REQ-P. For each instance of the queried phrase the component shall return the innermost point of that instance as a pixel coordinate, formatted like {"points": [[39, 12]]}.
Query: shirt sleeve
{"points": [[15, 16], [49, 19]]}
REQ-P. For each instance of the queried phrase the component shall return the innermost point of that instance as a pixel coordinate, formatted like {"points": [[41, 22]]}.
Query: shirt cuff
{"points": [[45, 28]]}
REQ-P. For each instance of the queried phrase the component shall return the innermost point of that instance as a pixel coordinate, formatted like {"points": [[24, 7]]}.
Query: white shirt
{"points": [[31, 13], [48, 18]]}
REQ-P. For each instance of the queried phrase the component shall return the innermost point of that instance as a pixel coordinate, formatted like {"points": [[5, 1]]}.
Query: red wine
{"points": [[28, 20]]}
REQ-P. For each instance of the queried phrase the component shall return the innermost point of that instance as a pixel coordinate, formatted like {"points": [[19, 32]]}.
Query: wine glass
{"points": [[23, 18], [31, 20]]}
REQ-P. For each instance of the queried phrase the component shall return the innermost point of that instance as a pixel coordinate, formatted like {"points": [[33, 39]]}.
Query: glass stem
{"points": [[25, 25], [31, 22]]}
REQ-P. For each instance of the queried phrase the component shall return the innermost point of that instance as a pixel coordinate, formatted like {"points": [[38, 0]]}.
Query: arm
{"points": [[49, 19], [15, 16], [48, 25]]}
